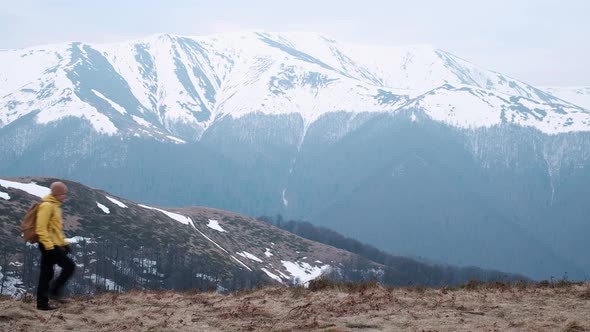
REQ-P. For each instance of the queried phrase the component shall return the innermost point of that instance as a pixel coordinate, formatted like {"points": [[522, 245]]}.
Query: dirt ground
{"points": [[335, 307]]}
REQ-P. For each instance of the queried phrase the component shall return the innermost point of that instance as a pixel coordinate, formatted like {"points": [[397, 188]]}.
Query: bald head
{"points": [[58, 190]]}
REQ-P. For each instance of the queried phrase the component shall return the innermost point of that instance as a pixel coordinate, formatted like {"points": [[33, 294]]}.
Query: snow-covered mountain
{"points": [[409, 148], [174, 87]]}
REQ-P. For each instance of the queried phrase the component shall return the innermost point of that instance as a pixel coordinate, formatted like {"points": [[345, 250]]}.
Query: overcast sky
{"points": [[542, 42]]}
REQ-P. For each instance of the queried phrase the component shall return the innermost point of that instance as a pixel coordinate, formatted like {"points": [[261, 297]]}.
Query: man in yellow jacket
{"points": [[53, 246]]}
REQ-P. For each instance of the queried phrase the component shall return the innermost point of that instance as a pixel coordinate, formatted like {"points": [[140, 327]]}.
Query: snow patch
{"points": [[284, 276], [303, 272], [108, 283], [206, 277], [31, 188], [180, 218], [176, 140], [214, 224], [267, 253], [116, 202], [272, 275], [78, 239], [145, 262], [141, 121], [4, 195], [103, 208], [114, 105], [205, 236], [248, 255], [239, 261], [12, 286]]}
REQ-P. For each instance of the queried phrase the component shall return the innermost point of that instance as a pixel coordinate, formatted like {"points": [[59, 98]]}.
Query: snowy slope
{"points": [[579, 96], [174, 87], [468, 107], [35, 79]]}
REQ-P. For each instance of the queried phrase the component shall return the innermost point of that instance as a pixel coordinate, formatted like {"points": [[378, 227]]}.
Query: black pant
{"points": [[48, 259]]}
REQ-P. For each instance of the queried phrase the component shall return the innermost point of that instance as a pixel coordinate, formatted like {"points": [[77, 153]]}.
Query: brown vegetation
{"points": [[324, 306]]}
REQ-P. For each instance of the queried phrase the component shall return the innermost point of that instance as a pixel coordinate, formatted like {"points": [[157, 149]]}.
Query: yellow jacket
{"points": [[49, 226]]}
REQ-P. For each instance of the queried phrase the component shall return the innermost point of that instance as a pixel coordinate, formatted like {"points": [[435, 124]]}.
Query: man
{"points": [[53, 247]]}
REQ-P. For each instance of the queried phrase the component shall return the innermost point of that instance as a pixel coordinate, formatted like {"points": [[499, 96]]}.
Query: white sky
{"points": [[542, 42]]}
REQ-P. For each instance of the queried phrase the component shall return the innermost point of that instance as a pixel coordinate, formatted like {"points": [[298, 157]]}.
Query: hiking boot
{"points": [[59, 299], [45, 307]]}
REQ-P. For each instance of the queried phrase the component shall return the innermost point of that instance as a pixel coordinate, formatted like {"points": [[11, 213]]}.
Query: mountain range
{"points": [[409, 148]]}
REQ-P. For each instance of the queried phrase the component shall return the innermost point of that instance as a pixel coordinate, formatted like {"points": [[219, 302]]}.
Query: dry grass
{"points": [[585, 294], [574, 327], [324, 306], [325, 284]]}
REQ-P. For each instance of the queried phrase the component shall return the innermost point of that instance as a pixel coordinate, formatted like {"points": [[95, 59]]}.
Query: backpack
{"points": [[29, 224]]}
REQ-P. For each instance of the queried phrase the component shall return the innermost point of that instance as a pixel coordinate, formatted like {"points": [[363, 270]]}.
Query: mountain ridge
{"points": [[169, 85]]}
